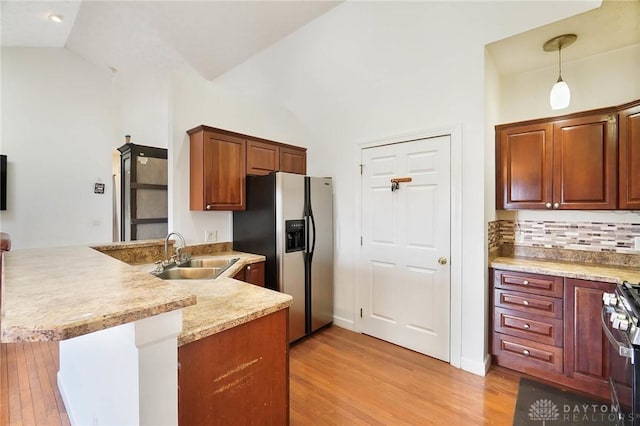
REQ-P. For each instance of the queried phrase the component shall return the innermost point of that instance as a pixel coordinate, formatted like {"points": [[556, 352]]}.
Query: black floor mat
{"points": [[539, 404]]}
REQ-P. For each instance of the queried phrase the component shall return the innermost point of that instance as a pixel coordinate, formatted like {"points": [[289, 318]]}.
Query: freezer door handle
{"points": [[313, 243]]}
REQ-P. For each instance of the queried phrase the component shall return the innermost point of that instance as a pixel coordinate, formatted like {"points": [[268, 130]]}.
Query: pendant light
{"points": [[560, 95]]}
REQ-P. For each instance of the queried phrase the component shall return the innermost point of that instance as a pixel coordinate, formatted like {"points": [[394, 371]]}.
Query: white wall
{"points": [[365, 71], [195, 101], [607, 79], [58, 115]]}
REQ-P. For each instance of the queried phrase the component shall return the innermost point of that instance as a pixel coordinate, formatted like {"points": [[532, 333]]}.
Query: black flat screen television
{"points": [[3, 182]]}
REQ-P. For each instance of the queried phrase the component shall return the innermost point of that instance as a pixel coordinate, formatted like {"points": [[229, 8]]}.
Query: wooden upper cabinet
{"points": [[262, 157], [293, 160], [524, 162], [217, 170], [585, 162], [629, 159], [566, 163]]}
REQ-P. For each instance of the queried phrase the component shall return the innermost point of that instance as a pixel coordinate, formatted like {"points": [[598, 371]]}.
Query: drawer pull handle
{"points": [[526, 326], [525, 303], [525, 282], [526, 353]]}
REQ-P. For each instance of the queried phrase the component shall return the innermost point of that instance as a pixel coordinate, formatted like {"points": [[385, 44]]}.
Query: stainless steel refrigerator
{"points": [[289, 219]]}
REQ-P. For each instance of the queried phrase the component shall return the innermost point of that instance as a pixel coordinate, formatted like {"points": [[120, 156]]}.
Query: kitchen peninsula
{"points": [[124, 333]]}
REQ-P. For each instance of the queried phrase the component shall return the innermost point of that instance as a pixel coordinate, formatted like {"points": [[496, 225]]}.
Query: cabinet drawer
{"points": [[545, 285], [526, 302], [540, 329], [526, 355]]}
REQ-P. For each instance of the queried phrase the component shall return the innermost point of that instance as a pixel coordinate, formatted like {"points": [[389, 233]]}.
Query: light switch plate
{"points": [[211, 236], [636, 243]]}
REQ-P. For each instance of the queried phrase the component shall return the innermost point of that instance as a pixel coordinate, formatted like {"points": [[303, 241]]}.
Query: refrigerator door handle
{"points": [[313, 243]]}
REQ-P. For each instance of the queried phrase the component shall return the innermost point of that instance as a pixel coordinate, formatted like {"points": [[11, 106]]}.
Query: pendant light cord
{"points": [[560, 62]]}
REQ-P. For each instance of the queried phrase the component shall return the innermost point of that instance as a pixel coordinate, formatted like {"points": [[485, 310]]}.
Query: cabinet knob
{"points": [[525, 303], [526, 326], [526, 353], [209, 206], [249, 268], [556, 205], [548, 205], [525, 282]]}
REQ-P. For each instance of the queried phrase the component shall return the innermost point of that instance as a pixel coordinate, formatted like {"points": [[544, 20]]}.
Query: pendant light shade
{"points": [[560, 95]]}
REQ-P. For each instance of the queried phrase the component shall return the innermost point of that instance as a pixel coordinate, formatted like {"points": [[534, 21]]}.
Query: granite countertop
{"points": [[224, 302], [584, 271], [60, 293]]}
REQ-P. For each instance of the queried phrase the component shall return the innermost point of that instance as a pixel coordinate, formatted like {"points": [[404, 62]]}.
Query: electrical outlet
{"points": [[519, 236], [636, 243], [211, 236]]}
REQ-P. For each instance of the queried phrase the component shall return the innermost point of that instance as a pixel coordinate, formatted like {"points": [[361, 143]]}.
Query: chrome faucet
{"points": [[177, 258]]}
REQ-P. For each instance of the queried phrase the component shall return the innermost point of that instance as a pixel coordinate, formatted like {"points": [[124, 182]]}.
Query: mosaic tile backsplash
{"points": [[589, 236]]}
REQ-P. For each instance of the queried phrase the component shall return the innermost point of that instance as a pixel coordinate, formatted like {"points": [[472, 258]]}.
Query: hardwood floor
{"points": [[28, 391], [343, 378], [337, 378]]}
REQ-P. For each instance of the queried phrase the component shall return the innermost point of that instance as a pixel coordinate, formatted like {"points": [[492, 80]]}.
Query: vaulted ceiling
{"points": [[215, 36], [211, 36]]}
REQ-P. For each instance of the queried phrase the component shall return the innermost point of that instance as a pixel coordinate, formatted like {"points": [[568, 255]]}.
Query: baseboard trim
{"points": [[475, 367], [344, 323]]}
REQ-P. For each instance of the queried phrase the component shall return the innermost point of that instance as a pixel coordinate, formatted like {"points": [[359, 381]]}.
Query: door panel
{"points": [[322, 264], [629, 158], [403, 289], [383, 297], [421, 199], [585, 162], [524, 166], [290, 202]]}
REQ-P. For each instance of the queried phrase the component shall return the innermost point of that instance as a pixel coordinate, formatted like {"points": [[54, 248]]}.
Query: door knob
{"points": [[442, 260]]}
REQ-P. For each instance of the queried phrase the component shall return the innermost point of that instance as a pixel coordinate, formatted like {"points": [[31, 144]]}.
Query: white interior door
{"points": [[404, 274]]}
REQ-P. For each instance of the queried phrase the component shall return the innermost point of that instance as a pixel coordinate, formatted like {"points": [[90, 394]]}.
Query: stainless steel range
{"points": [[621, 324]]}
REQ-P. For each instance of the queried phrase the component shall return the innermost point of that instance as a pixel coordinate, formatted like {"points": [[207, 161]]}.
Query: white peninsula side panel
{"points": [[124, 375]]}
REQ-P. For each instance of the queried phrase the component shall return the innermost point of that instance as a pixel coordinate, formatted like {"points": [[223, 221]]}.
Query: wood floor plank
{"points": [[4, 387], [337, 371], [337, 377]]}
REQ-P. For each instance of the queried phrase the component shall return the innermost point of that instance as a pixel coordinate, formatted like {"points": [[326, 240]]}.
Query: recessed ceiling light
{"points": [[56, 18]]}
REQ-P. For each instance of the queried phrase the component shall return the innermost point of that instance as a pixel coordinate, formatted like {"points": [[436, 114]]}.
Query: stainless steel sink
{"points": [[209, 262], [197, 269], [188, 273]]}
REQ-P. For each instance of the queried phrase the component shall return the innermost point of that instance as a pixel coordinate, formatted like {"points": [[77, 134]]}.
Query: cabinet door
{"points": [[523, 167], [293, 160], [254, 274], [262, 158], [587, 352], [585, 163], [217, 172], [629, 158]]}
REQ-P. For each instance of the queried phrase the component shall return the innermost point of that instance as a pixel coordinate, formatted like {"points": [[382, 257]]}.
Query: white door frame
{"points": [[455, 133]]}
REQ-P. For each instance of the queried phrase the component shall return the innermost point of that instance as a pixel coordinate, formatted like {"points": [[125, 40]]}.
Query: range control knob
{"points": [[623, 325], [610, 299], [615, 316]]}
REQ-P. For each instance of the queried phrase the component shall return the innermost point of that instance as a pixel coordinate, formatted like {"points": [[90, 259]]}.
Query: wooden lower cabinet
{"points": [[589, 357], [239, 376], [252, 274], [554, 333]]}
